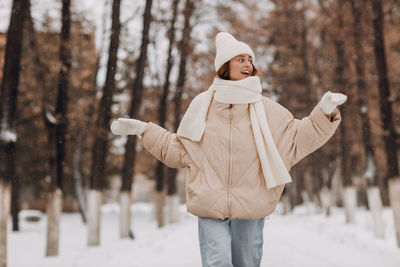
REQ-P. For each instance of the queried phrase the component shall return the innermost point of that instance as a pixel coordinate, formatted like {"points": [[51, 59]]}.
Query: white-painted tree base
{"points": [[285, 204], [394, 195], [326, 200], [5, 198], [125, 214], [375, 205], [307, 201], [350, 203], [159, 203], [94, 213], [53, 209], [173, 208]]}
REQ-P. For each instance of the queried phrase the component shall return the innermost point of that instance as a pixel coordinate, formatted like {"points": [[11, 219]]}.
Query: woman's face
{"points": [[240, 67]]}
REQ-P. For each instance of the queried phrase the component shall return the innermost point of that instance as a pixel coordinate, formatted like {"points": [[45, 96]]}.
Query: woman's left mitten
{"points": [[124, 126]]}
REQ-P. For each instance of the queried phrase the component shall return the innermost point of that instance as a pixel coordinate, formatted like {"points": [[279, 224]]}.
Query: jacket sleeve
{"points": [[165, 146], [301, 137]]}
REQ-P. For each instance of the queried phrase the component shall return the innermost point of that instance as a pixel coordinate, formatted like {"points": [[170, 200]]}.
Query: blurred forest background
{"points": [[69, 67]]}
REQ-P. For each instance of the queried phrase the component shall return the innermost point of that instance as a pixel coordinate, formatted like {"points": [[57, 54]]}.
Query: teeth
{"points": [[245, 72]]}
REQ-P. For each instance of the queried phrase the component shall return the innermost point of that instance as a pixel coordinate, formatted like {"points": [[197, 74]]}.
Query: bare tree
{"points": [[8, 108], [57, 135], [100, 148], [384, 90], [304, 55], [385, 105], [128, 168], [341, 82], [162, 114], [374, 198], [78, 184], [184, 47]]}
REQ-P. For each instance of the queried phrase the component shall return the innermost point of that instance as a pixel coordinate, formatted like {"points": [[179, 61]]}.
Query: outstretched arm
{"points": [[301, 137], [165, 146]]}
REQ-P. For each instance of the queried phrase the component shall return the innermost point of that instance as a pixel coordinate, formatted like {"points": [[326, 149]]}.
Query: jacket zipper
{"points": [[230, 162]]}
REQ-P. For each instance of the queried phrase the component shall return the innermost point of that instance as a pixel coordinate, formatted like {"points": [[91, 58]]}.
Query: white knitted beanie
{"points": [[228, 47]]}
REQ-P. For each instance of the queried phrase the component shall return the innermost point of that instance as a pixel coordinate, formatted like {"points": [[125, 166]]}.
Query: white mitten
{"points": [[329, 101], [128, 127]]}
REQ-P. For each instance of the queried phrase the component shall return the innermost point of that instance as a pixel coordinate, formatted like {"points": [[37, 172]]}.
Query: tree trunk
{"points": [[286, 204], [326, 193], [162, 111], [163, 106], [160, 194], [79, 190], [80, 194], [15, 208], [53, 209], [389, 136], [62, 96], [316, 174], [172, 196], [341, 83], [5, 193], [375, 205], [294, 190], [184, 47], [8, 110], [362, 92], [100, 148], [326, 200], [128, 169], [385, 104], [394, 194], [125, 214], [159, 203], [94, 214], [373, 193], [172, 208], [57, 128], [350, 203]]}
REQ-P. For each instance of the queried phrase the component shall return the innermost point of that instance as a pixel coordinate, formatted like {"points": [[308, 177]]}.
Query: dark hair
{"points": [[223, 72]]}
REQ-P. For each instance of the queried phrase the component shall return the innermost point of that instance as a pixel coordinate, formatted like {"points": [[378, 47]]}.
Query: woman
{"points": [[237, 147]]}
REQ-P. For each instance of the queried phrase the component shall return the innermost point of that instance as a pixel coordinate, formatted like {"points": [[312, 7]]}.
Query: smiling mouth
{"points": [[246, 72]]}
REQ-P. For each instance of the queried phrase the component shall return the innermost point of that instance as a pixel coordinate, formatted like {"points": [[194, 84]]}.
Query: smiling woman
{"points": [[238, 147]]}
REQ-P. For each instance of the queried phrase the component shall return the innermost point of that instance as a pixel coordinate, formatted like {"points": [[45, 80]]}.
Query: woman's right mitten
{"points": [[329, 101]]}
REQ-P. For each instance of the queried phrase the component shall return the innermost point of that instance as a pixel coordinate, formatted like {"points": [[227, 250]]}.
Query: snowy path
{"points": [[298, 240]]}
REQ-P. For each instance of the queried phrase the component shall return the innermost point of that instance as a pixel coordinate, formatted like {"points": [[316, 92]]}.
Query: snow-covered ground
{"points": [[301, 239]]}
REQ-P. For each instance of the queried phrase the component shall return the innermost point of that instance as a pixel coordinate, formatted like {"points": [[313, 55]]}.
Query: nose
{"points": [[247, 63]]}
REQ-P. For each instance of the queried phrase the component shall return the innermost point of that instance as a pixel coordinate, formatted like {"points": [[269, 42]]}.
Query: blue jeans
{"points": [[227, 243]]}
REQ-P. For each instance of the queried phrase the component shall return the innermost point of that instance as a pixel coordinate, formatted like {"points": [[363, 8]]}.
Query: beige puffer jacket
{"points": [[224, 175]]}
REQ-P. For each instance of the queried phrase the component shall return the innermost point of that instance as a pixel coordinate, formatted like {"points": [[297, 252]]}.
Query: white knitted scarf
{"points": [[245, 91]]}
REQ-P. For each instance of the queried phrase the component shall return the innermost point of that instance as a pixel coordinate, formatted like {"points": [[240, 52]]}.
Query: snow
{"points": [[303, 238], [7, 135], [364, 109], [50, 117]]}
